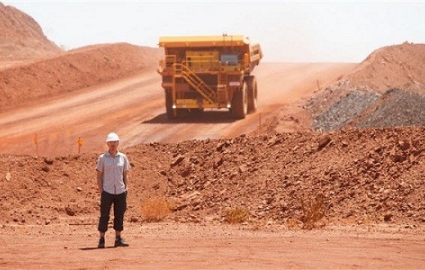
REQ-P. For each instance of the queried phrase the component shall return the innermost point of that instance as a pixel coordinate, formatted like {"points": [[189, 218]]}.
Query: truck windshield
{"points": [[229, 59]]}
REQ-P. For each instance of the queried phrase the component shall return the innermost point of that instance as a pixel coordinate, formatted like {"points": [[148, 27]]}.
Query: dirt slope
{"points": [[22, 37], [397, 66], [72, 71]]}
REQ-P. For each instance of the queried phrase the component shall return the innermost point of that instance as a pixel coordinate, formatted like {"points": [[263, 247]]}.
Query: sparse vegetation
{"points": [[313, 211], [293, 223], [155, 209], [235, 216]]}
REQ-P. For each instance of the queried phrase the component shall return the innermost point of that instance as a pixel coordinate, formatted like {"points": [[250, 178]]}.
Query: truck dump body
{"points": [[200, 72]]}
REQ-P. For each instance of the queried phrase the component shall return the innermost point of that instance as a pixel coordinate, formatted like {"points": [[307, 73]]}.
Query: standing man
{"points": [[112, 178]]}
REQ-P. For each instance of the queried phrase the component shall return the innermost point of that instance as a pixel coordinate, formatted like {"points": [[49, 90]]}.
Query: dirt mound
{"points": [[49, 71], [398, 66], [21, 37], [72, 71], [355, 177], [369, 87]]}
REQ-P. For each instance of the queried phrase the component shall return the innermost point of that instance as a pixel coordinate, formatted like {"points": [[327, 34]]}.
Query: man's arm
{"points": [[99, 180], [125, 179]]}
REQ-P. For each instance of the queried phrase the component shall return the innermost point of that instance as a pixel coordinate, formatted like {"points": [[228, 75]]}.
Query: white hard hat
{"points": [[112, 137]]}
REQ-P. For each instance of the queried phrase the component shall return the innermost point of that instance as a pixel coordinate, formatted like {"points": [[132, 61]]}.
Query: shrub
{"points": [[313, 211], [237, 215], [155, 209]]}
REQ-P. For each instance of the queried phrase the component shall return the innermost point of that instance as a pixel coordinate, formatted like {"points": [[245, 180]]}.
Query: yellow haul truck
{"points": [[206, 72]]}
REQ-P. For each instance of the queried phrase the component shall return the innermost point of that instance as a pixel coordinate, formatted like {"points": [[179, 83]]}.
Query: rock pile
{"points": [[394, 108], [370, 175], [363, 176]]}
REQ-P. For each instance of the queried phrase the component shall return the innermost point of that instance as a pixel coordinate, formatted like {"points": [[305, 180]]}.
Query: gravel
{"points": [[343, 111], [397, 108], [359, 108]]}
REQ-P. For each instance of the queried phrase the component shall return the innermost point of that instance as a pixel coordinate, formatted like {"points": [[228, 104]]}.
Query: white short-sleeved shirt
{"points": [[112, 168]]}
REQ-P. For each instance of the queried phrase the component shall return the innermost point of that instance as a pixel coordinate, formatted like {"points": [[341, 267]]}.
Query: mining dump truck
{"points": [[209, 72]]}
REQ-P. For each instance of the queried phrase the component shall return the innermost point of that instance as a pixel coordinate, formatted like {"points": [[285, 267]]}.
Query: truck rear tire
{"points": [[252, 94], [240, 103], [171, 114]]}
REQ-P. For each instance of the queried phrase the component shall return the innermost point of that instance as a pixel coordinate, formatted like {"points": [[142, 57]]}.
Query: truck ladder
{"points": [[195, 82]]}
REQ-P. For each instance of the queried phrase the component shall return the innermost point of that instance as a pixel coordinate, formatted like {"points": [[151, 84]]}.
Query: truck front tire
{"points": [[240, 103], [252, 94], [169, 105]]}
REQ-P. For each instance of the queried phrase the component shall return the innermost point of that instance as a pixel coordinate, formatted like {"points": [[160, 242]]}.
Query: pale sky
{"points": [[288, 31]]}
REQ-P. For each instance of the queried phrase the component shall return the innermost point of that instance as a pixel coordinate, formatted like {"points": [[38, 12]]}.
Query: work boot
{"points": [[101, 242], [120, 242]]}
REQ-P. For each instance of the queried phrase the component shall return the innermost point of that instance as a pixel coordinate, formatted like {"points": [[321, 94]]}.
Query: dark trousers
{"points": [[120, 205]]}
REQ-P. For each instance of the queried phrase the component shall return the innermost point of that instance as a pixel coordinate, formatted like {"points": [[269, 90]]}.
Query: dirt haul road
{"points": [[134, 108], [192, 246]]}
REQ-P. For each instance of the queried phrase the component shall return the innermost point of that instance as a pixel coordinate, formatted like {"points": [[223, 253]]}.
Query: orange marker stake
{"points": [[80, 143]]}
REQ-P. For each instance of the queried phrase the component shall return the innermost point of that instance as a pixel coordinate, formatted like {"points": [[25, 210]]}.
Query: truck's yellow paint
{"points": [[200, 72], [203, 41]]}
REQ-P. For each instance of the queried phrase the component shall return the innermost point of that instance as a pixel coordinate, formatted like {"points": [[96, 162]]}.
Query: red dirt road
{"points": [[191, 246], [134, 108]]}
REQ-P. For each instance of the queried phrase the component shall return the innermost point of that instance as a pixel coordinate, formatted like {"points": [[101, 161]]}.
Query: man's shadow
{"points": [[93, 248]]}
